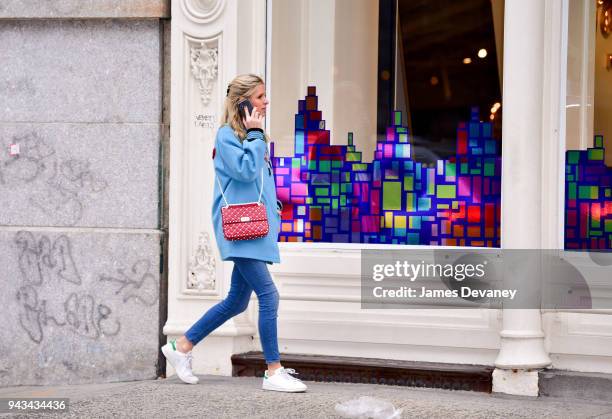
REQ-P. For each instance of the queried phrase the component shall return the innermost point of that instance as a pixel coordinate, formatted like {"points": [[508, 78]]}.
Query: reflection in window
{"points": [[446, 64]]}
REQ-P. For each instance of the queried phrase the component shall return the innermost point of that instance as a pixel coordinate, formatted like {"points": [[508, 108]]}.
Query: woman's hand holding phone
{"points": [[253, 120]]}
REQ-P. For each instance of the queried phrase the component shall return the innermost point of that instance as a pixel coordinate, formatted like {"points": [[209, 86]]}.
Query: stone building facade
{"points": [[82, 130]]}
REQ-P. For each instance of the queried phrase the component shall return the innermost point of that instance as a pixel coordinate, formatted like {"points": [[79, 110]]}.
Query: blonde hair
{"points": [[239, 89]]}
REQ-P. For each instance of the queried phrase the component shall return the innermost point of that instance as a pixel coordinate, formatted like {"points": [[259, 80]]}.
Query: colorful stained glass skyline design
{"points": [[330, 194], [588, 198]]}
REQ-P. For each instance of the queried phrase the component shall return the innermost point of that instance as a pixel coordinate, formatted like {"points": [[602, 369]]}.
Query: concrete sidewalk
{"points": [[227, 397]]}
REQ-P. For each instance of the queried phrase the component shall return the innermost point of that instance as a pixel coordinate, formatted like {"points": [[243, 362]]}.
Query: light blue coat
{"points": [[238, 166]]}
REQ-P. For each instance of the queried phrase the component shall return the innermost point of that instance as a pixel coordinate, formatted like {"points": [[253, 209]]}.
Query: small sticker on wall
{"points": [[13, 149]]}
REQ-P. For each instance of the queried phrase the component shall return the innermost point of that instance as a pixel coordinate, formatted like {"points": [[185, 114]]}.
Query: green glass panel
{"points": [[450, 168], [446, 191], [573, 157], [408, 183], [398, 118], [335, 187], [392, 196], [431, 187], [596, 153], [572, 190], [588, 192], [410, 207]]}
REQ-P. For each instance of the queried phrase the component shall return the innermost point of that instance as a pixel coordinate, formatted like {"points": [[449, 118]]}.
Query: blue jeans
{"points": [[248, 275]]}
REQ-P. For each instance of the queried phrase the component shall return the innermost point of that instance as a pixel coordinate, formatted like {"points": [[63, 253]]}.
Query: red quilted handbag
{"points": [[245, 221]]}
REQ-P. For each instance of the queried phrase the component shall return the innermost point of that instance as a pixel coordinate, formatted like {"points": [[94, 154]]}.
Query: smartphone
{"points": [[241, 106]]}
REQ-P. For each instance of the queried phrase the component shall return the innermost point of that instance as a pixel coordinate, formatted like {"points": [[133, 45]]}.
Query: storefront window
{"points": [[588, 174], [386, 120]]}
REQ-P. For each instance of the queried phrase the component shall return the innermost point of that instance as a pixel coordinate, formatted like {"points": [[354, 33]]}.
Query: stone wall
{"points": [[82, 208]]}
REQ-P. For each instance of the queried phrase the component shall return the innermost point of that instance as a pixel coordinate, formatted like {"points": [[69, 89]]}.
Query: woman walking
{"points": [[244, 174]]}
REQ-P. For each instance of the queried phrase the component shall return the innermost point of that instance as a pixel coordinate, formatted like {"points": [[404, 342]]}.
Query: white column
{"points": [[211, 42], [522, 349]]}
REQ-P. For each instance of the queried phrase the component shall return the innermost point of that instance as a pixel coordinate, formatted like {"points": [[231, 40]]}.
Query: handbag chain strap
{"points": [[223, 195]]}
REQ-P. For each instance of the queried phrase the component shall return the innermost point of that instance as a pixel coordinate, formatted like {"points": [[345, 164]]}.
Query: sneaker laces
{"points": [[287, 373]]}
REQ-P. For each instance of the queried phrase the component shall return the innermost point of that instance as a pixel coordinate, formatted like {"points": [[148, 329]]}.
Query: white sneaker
{"points": [[180, 361], [282, 380]]}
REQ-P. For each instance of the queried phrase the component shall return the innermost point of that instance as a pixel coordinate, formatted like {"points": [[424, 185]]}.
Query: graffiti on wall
{"points": [[65, 183], [53, 293]]}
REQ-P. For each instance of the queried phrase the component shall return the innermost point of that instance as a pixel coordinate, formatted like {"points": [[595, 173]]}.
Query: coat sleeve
{"points": [[242, 161]]}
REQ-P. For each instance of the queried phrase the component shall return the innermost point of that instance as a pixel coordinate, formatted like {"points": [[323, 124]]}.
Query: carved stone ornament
{"points": [[204, 67], [202, 266], [203, 10]]}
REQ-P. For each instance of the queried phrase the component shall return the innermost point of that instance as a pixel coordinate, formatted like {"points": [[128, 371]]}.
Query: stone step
{"points": [[374, 371]]}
